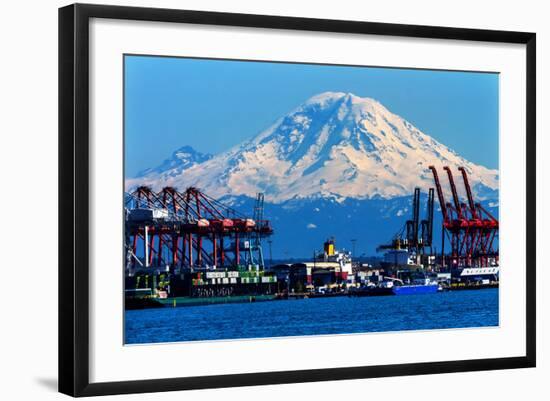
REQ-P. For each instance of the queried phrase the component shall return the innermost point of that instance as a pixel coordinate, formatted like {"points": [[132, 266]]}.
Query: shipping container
{"points": [[147, 214], [215, 274]]}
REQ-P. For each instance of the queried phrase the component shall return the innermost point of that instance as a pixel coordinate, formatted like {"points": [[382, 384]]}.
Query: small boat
{"points": [[393, 286], [416, 289]]}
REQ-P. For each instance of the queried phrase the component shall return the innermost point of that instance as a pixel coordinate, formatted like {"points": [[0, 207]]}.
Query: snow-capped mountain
{"points": [[181, 159], [335, 145]]}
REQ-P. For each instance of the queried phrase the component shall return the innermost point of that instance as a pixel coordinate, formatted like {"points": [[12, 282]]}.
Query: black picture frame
{"points": [[74, 198]]}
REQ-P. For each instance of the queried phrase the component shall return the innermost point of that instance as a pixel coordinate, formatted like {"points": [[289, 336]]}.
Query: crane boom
{"points": [[471, 202], [440, 196], [453, 190]]}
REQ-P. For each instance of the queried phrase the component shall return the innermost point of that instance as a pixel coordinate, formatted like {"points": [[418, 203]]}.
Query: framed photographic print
{"points": [[249, 199]]}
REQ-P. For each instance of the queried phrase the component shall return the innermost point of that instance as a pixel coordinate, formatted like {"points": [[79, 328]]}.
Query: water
{"points": [[339, 315]]}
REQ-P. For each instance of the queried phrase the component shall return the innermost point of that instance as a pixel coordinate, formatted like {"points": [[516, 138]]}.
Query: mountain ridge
{"points": [[335, 144], [181, 159]]}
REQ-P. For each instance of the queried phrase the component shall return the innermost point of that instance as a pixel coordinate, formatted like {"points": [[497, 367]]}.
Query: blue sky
{"points": [[212, 105]]}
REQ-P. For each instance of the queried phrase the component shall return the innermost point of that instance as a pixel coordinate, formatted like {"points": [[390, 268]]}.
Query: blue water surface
{"points": [[338, 315]]}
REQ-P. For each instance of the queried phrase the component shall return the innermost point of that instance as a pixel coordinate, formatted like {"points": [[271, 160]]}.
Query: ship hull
{"points": [[415, 289], [397, 290]]}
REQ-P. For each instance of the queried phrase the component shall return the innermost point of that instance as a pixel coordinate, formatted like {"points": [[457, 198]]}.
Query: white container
{"points": [[215, 274], [147, 214], [160, 213], [203, 223]]}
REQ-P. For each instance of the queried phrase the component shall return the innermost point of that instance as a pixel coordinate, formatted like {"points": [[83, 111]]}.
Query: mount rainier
{"points": [[335, 155], [335, 144]]}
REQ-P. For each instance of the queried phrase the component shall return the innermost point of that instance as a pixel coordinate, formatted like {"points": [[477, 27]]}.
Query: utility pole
{"points": [[270, 253], [314, 258], [353, 241]]}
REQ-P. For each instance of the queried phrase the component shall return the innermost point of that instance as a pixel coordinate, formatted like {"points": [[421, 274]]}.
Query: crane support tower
{"points": [[427, 225], [416, 235], [413, 225]]}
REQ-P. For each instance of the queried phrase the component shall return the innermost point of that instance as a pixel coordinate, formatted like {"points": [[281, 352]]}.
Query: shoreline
{"points": [[177, 302]]}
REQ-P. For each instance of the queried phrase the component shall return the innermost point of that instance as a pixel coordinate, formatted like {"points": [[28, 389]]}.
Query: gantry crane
{"points": [[472, 230]]}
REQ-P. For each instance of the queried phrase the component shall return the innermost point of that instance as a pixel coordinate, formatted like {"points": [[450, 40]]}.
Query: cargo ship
{"points": [[478, 277], [477, 274]]}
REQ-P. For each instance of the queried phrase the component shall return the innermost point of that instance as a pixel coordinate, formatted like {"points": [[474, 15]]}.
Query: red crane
{"points": [[472, 229], [190, 229], [444, 211]]}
